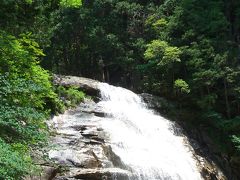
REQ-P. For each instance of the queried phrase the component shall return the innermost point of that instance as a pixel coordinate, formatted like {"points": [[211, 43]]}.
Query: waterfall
{"points": [[145, 141]]}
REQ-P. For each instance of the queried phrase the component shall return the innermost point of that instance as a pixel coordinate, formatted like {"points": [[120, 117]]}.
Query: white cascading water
{"points": [[144, 141]]}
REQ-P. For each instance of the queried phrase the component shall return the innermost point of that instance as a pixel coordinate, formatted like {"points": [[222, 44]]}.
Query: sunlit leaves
{"points": [[159, 24], [155, 50], [236, 141], [162, 53], [182, 86], [71, 3]]}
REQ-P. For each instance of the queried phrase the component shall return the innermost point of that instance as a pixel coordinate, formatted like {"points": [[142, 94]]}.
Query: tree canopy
{"points": [[187, 51]]}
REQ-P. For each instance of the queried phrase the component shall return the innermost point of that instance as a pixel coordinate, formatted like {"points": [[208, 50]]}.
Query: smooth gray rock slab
{"points": [[98, 174], [90, 86]]}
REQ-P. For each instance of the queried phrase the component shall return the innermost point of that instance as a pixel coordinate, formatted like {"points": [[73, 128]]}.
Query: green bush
{"points": [[71, 96], [236, 141], [13, 164], [74, 95]]}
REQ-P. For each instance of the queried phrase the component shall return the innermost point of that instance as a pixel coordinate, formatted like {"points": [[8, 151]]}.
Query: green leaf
{"points": [[182, 86]]}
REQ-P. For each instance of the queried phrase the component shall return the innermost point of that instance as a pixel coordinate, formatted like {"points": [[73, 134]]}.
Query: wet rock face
{"points": [[90, 86], [80, 146], [214, 159], [46, 173], [157, 103], [96, 174], [211, 162]]}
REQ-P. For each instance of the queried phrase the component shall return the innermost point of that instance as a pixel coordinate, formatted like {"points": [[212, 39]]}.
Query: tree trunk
{"points": [[226, 99]]}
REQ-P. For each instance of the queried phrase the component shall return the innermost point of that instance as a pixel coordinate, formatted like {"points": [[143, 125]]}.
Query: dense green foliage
{"points": [[70, 97], [13, 163], [185, 50], [26, 93]]}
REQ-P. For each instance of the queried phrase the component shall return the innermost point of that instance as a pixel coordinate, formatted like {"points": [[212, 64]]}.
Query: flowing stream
{"points": [[145, 141]]}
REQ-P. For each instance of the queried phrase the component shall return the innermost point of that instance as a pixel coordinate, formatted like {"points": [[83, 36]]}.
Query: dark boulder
{"points": [[157, 103]]}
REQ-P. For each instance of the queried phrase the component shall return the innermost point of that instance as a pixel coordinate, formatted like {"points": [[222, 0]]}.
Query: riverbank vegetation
{"points": [[184, 50], [27, 97]]}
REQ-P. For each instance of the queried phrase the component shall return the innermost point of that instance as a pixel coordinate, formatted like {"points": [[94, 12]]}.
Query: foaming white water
{"points": [[144, 141]]}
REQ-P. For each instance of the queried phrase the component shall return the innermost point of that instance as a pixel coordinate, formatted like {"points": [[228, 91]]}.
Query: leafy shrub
{"points": [[236, 141], [74, 95], [181, 86], [70, 96], [13, 164]]}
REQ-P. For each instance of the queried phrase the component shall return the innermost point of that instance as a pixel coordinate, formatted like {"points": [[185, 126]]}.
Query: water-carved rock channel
{"points": [[119, 138]]}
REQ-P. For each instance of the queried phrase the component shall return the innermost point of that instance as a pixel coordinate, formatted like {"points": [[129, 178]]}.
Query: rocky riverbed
{"points": [[80, 147]]}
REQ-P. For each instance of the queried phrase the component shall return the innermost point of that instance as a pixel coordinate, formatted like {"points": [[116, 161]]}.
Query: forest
{"points": [[187, 51]]}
